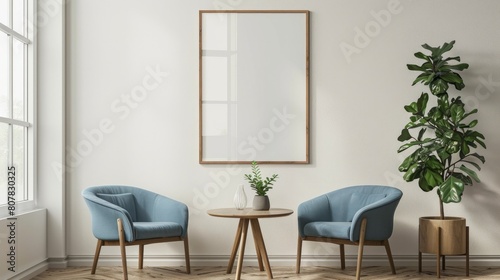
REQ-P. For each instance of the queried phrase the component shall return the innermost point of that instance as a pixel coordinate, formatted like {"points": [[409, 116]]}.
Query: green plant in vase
{"points": [[261, 186]]}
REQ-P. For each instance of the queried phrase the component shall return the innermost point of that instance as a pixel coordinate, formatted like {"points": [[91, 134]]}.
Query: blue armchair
{"points": [[124, 215], [357, 215]]}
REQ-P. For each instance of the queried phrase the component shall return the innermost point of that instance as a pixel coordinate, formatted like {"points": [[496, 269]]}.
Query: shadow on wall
{"points": [[483, 200]]}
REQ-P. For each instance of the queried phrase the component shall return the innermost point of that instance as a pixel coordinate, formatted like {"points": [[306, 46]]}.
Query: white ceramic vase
{"points": [[240, 198]]}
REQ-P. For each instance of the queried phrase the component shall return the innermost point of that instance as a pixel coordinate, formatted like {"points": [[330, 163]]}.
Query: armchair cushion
{"points": [[146, 230], [123, 200], [339, 230]]}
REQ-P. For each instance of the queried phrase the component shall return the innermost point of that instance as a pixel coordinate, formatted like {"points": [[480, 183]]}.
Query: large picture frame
{"points": [[253, 86]]}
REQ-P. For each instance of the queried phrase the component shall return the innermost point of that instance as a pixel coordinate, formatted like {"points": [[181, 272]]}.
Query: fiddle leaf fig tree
{"points": [[439, 136]]}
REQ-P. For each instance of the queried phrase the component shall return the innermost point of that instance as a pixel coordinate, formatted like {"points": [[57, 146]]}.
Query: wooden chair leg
{"points": [[299, 254], [186, 255], [419, 261], [96, 256], [419, 252], [141, 256], [467, 251], [438, 255], [342, 256], [360, 249], [121, 236], [389, 255]]}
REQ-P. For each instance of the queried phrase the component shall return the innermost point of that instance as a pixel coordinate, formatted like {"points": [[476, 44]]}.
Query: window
{"points": [[17, 104]]}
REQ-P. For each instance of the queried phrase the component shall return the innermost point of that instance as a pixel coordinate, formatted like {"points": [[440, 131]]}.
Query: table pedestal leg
{"points": [[236, 244], [261, 247], [240, 241], [255, 233], [242, 248]]}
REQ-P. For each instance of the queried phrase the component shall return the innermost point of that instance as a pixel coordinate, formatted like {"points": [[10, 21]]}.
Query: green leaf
{"points": [[434, 164], [412, 108], [451, 190], [422, 103], [413, 125], [452, 78], [432, 178], [481, 158], [441, 50], [472, 123], [413, 172], [405, 147], [422, 183], [481, 143], [430, 78], [457, 113], [457, 58], [405, 135], [470, 172], [458, 67], [405, 165], [465, 150], [421, 55], [427, 47], [421, 133], [459, 86], [414, 67], [466, 179], [448, 134], [421, 78], [438, 86], [470, 113], [473, 164]]}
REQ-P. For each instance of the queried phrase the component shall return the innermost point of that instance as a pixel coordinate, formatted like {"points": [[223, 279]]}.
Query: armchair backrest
{"points": [[345, 202]]}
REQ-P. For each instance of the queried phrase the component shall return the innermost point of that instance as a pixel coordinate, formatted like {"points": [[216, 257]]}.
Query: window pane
{"points": [[18, 16], [4, 75], [18, 150], [18, 85], [4, 12], [4, 156]]}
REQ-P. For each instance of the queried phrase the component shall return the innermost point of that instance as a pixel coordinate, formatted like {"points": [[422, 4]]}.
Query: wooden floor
{"points": [[307, 272]]}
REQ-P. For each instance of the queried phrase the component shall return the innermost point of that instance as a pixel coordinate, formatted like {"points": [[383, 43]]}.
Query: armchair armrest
{"points": [[169, 210], [380, 219], [316, 209], [104, 216]]}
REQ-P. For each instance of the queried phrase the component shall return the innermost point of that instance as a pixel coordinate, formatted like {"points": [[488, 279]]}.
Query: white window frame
{"points": [[30, 102]]}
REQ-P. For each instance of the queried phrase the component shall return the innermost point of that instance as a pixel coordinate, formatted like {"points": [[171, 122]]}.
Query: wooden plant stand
{"points": [[448, 239]]}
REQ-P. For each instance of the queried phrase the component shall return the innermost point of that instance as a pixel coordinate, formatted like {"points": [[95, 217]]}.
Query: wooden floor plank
{"points": [[307, 273]]}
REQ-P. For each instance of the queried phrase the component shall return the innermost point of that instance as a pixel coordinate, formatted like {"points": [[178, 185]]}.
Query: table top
{"points": [[249, 213]]}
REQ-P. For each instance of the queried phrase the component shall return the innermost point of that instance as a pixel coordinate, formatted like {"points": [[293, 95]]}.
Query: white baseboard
{"points": [[307, 260], [58, 262], [31, 272]]}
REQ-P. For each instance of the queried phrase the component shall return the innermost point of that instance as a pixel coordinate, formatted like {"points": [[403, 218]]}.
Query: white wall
{"points": [[51, 125], [357, 113]]}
